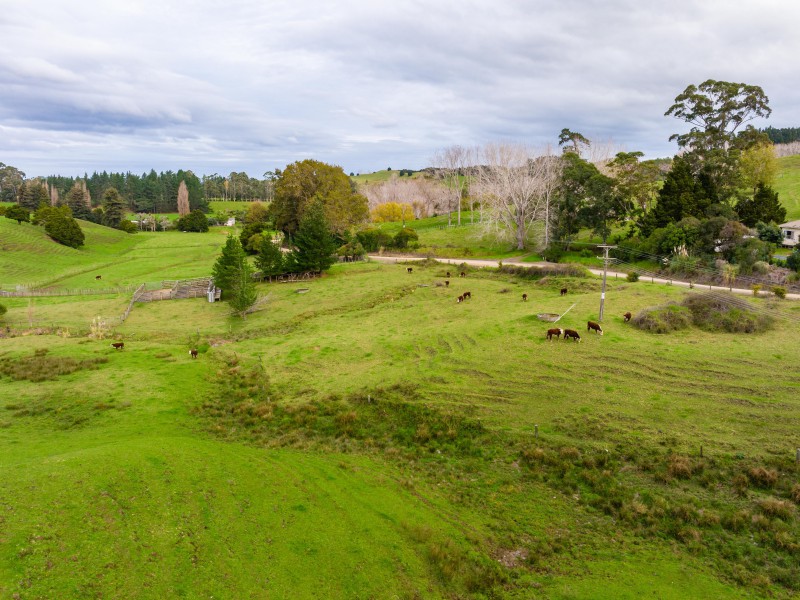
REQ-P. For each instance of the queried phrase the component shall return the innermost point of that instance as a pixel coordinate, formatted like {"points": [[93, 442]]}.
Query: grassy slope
{"points": [[787, 185], [379, 176], [30, 257], [108, 485], [465, 241]]}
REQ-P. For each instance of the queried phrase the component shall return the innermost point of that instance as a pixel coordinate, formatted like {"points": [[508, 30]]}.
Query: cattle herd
{"points": [[555, 332]]}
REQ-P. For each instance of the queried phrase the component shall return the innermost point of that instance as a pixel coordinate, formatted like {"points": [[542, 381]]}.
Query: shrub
{"points": [[663, 319], [725, 312], [553, 254], [765, 478], [17, 213], [372, 239], [633, 277], [61, 227], [779, 291], [194, 221], [3, 310], [773, 507], [756, 287], [127, 226], [403, 237]]}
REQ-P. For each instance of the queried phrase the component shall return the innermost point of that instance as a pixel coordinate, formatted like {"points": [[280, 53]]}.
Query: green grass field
{"points": [[380, 176], [372, 438], [31, 258], [787, 184]]}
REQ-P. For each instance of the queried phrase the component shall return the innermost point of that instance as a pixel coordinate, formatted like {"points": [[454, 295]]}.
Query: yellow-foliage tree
{"points": [[390, 212], [758, 165]]}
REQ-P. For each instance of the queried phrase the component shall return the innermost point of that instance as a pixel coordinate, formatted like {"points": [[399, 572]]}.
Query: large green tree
{"points": [[314, 244], [270, 260], [62, 228], [18, 213], [716, 110], [305, 181], [682, 195], [228, 264], [764, 206], [113, 208], [77, 200], [243, 294], [32, 193], [587, 199]]}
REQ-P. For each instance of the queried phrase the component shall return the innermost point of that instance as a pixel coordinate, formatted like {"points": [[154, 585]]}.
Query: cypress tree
{"points": [[270, 259], [314, 244], [113, 208], [228, 265]]}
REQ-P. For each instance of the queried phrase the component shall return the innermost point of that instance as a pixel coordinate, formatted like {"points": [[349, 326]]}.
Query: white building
{"points": [[791, 233]]}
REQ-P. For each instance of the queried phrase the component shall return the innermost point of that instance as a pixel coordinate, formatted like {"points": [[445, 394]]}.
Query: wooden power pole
{"points": [[605, 248]]}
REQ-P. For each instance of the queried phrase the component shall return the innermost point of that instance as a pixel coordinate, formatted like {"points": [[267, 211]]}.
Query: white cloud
{"points": [[249, 85]]}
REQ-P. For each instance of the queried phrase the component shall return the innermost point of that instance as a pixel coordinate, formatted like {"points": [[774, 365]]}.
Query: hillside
{"points": [[373, 438], [29, 257], [379, 176], [787, 184]]}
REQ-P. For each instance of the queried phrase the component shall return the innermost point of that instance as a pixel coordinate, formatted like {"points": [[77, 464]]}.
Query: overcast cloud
{"points": [[249, 85]]}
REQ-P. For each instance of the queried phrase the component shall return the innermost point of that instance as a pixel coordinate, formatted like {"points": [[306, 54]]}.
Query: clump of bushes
{"points": [[711, 312], [723, 312], [633, 277], [565, 270], [41, 367], [663, 319]]}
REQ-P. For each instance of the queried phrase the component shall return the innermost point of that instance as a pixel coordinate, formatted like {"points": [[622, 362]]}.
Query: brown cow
{"points": [[524, 297], [571, 333], [448, 275], [460, 299], [193, 352], [409, 269], [98, 276], [118, 345], [563, 291], [446, 283], [463, 274], [592, 326], [467, 295], [627, 316], [556, 331]]}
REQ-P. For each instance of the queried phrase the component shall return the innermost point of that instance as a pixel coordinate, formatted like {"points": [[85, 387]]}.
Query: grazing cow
{"points": [[627, 316], [409, 269], [524, 297], [448, 274], [447, 283], [98, 276], [118, 345], [563, 291], [556, 331], [592, 326], [571, 333], [193, 352], [460, 299], [463, 274], [467, 295]]}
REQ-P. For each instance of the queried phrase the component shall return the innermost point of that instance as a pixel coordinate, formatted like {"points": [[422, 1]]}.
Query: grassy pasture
{"points": [[30, 257], [787, 184], [151, 475]]}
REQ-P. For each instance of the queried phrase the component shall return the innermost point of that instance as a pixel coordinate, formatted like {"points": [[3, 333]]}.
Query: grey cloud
{"points": [[250, 86]]}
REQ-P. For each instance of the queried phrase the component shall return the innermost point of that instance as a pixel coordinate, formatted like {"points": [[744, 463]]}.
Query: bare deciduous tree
{"points": [[183, 199], [426, 197], [452, 165], [515, 187]]}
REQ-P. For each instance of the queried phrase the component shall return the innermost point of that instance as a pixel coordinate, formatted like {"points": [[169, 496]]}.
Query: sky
{"points": [[253, 85]]}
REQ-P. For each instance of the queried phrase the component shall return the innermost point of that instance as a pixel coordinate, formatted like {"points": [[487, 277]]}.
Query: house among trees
{"points": [[791, 233]]}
